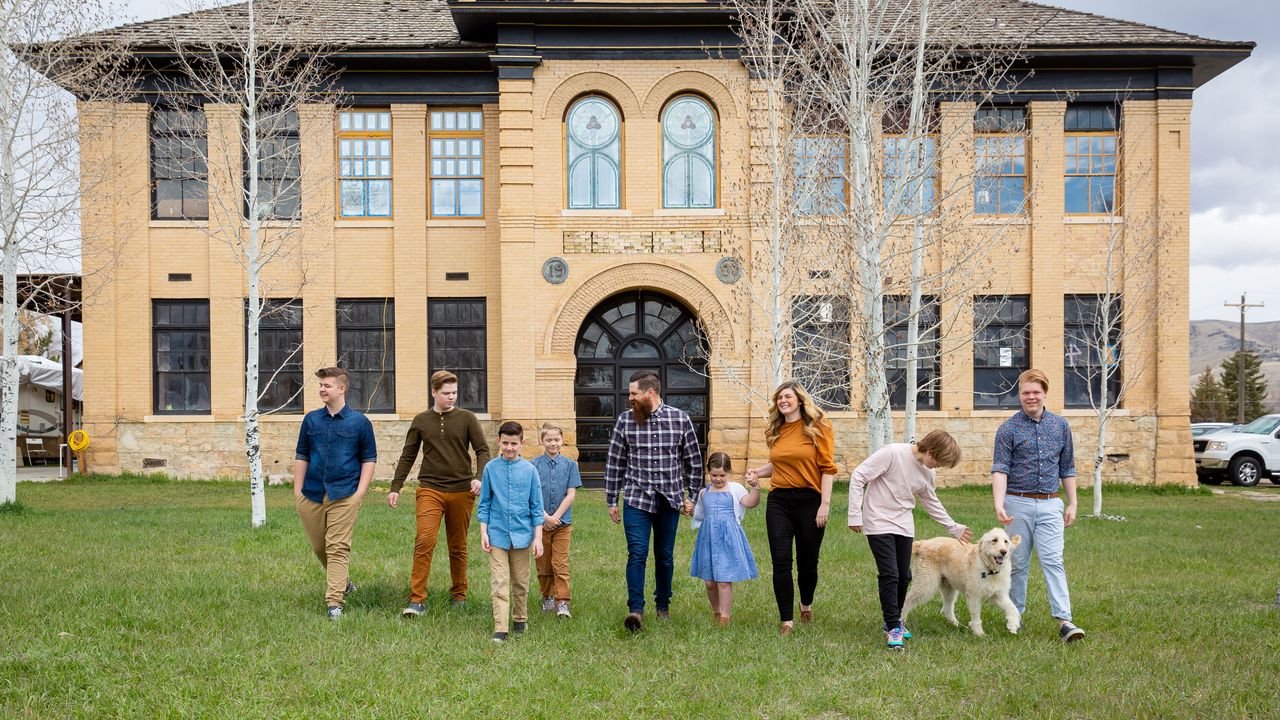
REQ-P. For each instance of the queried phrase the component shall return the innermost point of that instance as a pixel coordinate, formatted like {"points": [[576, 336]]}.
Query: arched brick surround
{"points": [[686, 81], [605, 84], [679, 282]]}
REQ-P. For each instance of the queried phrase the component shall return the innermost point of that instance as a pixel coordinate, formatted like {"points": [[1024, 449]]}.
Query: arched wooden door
{"points": [[634, 330]]}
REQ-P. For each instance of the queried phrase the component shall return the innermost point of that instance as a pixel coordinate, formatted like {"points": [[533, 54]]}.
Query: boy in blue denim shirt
{"points": [[510, 515], [560, 482]]}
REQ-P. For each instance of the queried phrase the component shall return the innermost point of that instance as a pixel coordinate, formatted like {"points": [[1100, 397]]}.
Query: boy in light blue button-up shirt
{"points": [[511, 517]]}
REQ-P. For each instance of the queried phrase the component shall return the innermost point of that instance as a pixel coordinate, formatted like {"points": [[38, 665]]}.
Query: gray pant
{"points": [[1039, 522]]}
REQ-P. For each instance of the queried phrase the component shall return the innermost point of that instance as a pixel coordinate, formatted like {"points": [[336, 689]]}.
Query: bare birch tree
{"points": [[255, 69], [46, 63]]}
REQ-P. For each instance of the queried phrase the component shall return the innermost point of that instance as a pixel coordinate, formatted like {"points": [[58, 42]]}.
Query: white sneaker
{"points": [[562, 608], [548, 604]]}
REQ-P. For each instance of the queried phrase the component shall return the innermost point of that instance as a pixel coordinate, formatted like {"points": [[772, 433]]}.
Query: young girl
{"points": [[882, 494], [722, 556]]}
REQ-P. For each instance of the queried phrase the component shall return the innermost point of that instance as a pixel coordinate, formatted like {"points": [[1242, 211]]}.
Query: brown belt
{"points": [[1034, 496]]}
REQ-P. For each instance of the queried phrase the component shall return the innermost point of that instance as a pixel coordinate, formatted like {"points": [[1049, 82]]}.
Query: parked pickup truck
{"points": [[1244, 456]]}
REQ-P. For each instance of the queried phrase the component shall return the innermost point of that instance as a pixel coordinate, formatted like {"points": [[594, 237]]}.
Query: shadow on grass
{"points": [[14, 507]]}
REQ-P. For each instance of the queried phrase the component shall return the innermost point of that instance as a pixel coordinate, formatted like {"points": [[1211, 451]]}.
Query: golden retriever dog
{"points": [[979, 570]]}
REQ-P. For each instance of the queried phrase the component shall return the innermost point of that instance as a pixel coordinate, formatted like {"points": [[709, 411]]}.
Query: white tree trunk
{"points": [[9, 322], [252, 434]]}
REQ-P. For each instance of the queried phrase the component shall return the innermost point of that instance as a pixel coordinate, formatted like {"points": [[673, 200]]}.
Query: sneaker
{"points": [[499, 637], [906, 634], [633, 621], [413, 610], [518, 627], [562, 608], [893, 639], [548, 604], [456, 604], [335, 613], [351, 587], [1070, 633]]}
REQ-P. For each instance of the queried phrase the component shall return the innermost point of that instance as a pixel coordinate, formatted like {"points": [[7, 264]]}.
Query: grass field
{"points": [[134, 599]]}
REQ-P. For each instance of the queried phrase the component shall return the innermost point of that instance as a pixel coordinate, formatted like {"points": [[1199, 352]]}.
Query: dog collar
{"points": [[985, 573]]}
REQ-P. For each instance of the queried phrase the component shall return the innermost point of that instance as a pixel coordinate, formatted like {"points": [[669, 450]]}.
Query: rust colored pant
{"points": [[329, 526], [553, 566], [455, 509]]}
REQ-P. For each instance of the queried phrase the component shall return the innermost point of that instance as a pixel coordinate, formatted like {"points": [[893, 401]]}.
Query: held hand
{"points": [[823, 510], [475, 487], [615, 515], [687, 508], [751, 477], [856, 528], [537, 548], [549, 522], [1069, 516], [393, 499], [484, 541], [965, 536], [1002, 516]]}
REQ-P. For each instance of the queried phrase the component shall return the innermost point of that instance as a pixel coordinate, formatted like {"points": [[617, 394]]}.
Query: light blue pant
{"points": [[1039, 522]]}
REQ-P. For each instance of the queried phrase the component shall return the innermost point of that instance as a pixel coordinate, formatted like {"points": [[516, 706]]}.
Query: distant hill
{"points": [[1212, 341]]}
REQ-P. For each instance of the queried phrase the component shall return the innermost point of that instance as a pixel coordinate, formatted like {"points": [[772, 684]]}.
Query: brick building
{"points": [[485, 231]]}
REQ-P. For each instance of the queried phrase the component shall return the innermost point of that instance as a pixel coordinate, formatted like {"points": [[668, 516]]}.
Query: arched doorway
{"points": [[634, 330]]}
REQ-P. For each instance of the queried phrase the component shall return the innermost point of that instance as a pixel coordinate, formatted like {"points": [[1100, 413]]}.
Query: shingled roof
{"points": [[367, 24]]}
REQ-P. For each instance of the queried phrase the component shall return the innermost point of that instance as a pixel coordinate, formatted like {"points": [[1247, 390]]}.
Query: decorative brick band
{"points": [[642, 241]]}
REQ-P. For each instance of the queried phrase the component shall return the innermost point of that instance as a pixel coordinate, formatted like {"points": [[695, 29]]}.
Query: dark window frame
{"points": [[281, 173], [929, 362], [1003, 328], [350, 331], [170, 331], [830, 383], [1084, 324], [186, 161], [273, 320], [1002, 132], [441, 331]]}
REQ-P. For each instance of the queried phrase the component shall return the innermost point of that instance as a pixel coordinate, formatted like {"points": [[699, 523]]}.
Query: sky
{"points": [[1235, 161]]}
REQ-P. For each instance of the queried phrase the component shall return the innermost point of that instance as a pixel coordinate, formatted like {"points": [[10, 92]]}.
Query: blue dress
{"points": [[721, 552]]}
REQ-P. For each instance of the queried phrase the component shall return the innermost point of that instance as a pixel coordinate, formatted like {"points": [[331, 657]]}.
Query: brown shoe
{"points": [[664, 615], [806, 616], [633, 622], [724, 620], [786, 629]]}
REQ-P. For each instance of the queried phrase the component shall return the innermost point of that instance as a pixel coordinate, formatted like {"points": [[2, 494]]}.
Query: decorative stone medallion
{"points": [[555, 270], [728, 270]]}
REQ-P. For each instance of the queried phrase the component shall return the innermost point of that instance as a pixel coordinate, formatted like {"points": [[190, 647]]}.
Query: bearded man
{"points": [[655, 464]]}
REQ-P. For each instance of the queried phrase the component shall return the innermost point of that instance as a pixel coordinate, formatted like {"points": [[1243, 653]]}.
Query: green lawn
{"points": [[155, 599]]}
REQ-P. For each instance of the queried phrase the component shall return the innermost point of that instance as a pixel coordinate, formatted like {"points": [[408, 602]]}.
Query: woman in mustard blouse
{"points": [[802, 469]]}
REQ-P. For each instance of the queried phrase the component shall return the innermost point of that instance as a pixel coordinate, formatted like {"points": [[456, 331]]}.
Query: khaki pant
{"points": [[509, 585], [329, 526], [553, 566], [455, 509]]}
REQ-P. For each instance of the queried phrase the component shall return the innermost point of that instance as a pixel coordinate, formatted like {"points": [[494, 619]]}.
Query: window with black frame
{"points": [[280, 377], [820, 340], [1091, 349], [897, 316], [180, 342], [279, 166], [456, 341], [1001, 342], [179, 167], [367, 351]]}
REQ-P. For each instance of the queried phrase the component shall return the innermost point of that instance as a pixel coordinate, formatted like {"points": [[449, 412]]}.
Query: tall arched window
{"points": [[594, 163], [688, 154]]}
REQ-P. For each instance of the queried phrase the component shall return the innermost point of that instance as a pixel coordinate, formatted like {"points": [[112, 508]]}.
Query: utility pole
{"points": [[1240, 357]]}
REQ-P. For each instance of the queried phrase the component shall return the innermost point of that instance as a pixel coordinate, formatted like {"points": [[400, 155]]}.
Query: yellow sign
{"points": [[78, 440]]}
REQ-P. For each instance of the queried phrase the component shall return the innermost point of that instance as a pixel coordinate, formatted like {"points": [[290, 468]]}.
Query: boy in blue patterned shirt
{"points": [[510, 515], [560, 481]]}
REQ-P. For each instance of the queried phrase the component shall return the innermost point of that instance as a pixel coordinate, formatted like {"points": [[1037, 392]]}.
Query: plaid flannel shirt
{"points": [[659, 458]]}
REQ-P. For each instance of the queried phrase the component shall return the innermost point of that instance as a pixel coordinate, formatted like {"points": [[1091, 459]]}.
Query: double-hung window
{"points": [[180, 342], [819, 175], [364, 163], [1000, 151], [1089, 175], [179, 165], [820, 348], [897, 317], [1091, 349], [456, 342], [279, 166], [457, 163], [910, 174], [280, 356], [367, 351], [1001, 352]]}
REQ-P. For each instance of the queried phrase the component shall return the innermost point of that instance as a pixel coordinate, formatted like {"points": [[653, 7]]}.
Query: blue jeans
{"points": [[1039, 522], [638, 524]]}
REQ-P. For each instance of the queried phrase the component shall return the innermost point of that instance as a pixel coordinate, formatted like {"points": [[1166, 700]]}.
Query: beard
{"points": [[641, 410]]}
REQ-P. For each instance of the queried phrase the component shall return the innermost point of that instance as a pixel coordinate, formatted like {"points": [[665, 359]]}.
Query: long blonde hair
{"points": [[813, 416]]}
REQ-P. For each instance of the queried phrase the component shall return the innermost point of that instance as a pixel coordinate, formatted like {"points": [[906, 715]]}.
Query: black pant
{"points": [[791, 515], [893, 561]]}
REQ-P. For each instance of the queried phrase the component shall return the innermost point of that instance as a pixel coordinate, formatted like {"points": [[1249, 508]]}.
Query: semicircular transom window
{"points": [[688, 154], [594, 161]]}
